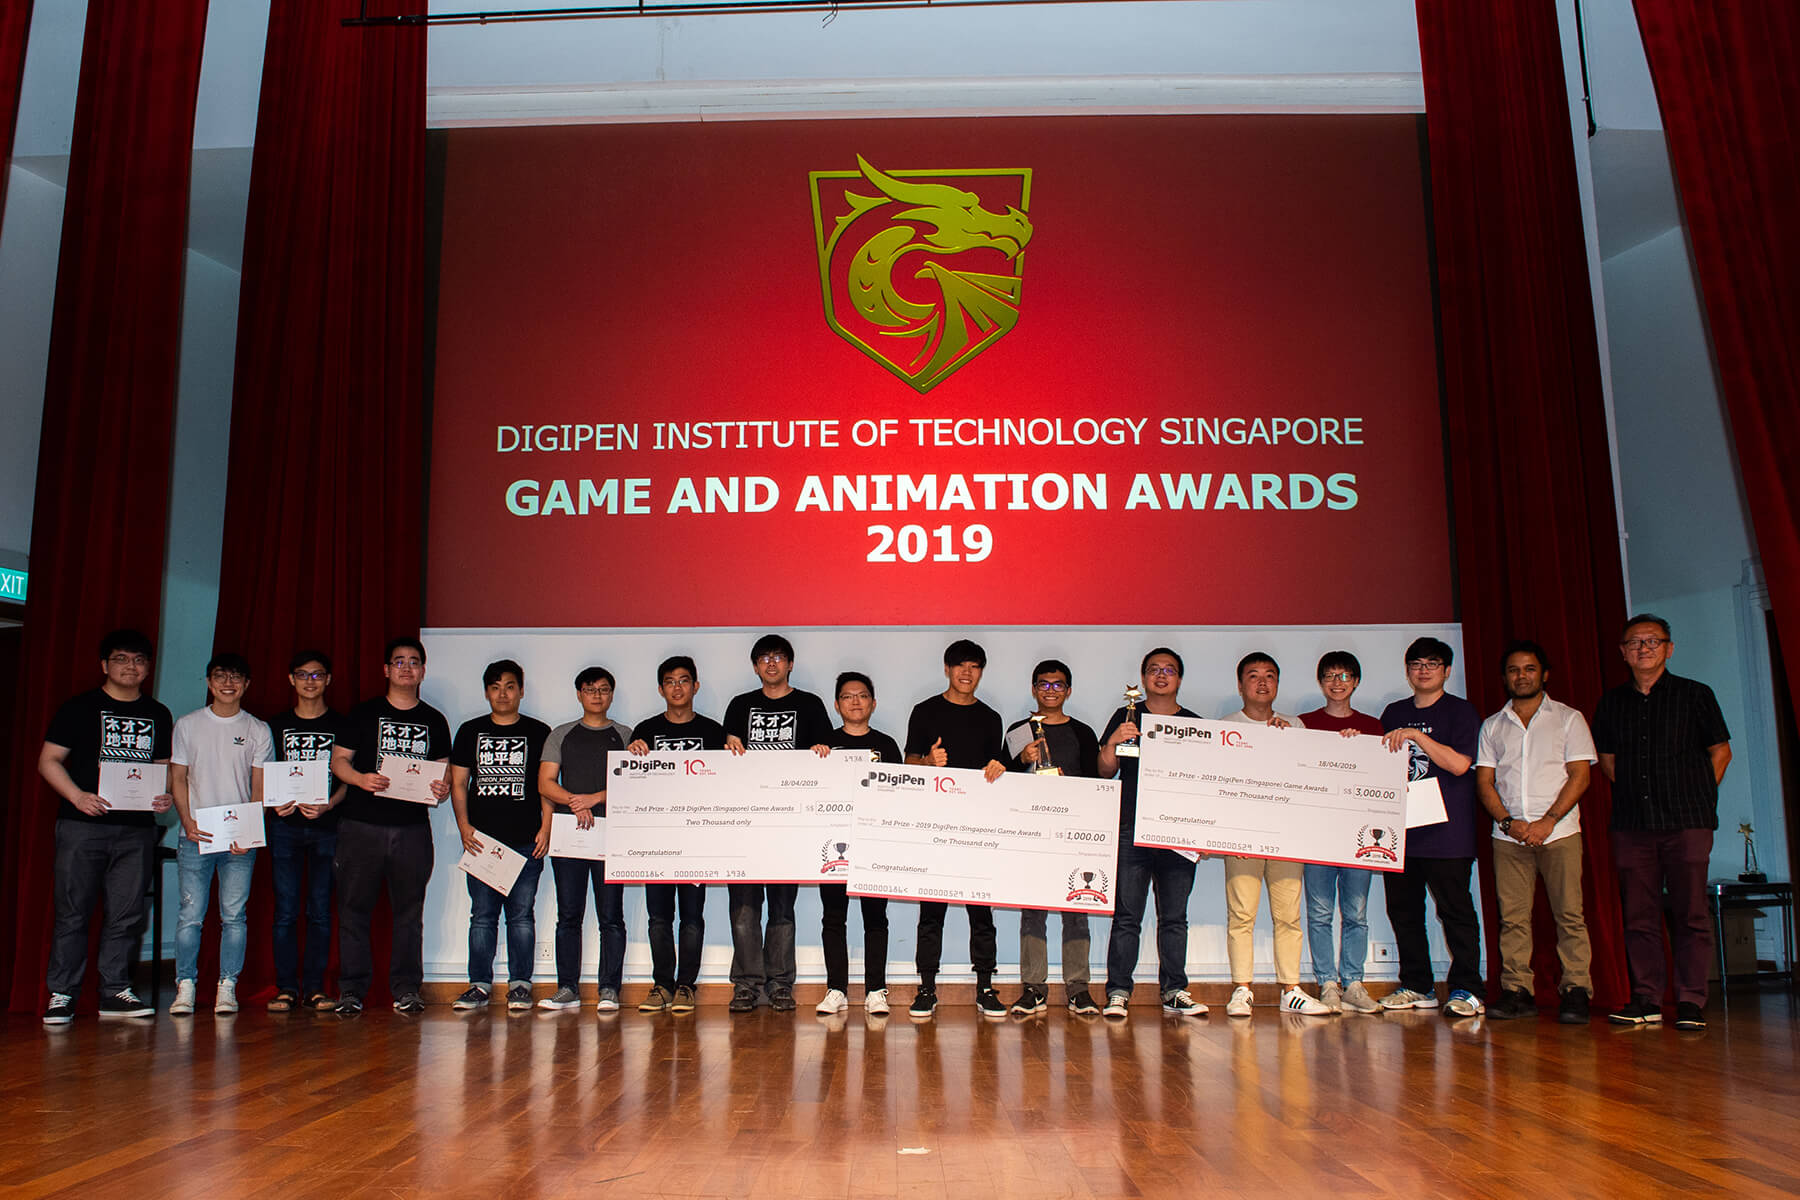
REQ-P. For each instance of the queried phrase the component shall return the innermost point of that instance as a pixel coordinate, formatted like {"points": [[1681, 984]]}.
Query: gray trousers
{"points": [[1034, 950], [96, 862]]}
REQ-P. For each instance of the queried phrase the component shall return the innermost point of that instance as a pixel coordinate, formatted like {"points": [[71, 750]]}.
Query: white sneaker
{"points": [[1357, 999], [1332, 996], [1239, 1004], [184, 999], [1465, 1004], [1294, 1000], [1118, 1004], [876, 1002], [834, 1002], [225, 1003], [1407, 998]]}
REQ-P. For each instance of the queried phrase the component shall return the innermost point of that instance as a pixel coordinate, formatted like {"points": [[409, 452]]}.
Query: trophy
{"points": [[1752, 873], [1044, 764], [1134, 695]]}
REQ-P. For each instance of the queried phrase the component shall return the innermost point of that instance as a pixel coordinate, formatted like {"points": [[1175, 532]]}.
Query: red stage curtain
{"points": [[100, 515], [1531, 480], [15, 27], [325, 501], [1724, 74]]}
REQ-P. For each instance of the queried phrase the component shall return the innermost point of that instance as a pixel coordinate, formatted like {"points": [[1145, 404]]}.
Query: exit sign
{"points": [[12, 586]]}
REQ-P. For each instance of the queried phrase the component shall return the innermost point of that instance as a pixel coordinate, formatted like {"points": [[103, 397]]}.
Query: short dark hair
{"points": [[1339, 660], [963, 650], [772, 643], [1051, 666], [305, 656], [500, 667], [593, 675], [1257, 656], [402, 643], [1524, 646], [1430, 647], [674, 663], [1180, 667], [228, 660], [128, 640], [853, 677], [1648, 619]]}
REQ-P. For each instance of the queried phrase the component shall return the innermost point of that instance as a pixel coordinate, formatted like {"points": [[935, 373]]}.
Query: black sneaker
{"points": [[1031, 1000], [781, 999], [1640, 1011], [924, 1002], [1514, 1004], [743, 999], [474, 997], [988, 1001], [124, 1003], [1574, 1007], [349, 1006], [1081, 1003], [518, 997], [60, 1010], [410, 1003], [1689, 1015]]}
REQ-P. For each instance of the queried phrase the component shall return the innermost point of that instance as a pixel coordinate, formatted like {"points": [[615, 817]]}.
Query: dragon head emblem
{"points": [[920, 276]]}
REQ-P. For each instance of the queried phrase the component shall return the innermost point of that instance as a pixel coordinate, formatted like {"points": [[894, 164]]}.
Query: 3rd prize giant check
{"points": [[1022, 841], [1296, 794], [710, 816]]}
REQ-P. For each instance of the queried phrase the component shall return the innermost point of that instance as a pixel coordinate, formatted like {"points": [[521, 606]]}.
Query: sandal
{"points": [[320, 1002], [284, 1000]]}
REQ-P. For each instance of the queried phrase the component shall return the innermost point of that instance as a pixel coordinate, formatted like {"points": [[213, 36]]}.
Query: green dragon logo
{"points": [[921, 276]]}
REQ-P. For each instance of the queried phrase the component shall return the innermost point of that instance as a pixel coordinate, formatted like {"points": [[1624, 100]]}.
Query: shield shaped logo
{"points": [[921, 270]]}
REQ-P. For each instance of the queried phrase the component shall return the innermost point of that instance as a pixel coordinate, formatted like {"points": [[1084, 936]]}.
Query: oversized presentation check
{"points": [[1022, 841], [1297, 794], [710, 816]]}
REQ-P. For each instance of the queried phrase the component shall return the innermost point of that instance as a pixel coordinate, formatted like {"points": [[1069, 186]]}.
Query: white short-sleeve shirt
{"points": [[1530, 762], [220, 753]]}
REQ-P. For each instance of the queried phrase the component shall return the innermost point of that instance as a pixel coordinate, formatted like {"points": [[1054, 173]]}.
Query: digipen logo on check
{"points": [[1181, 733], [1378, 841], [835, 857], [1087, 885], [905, 779], [643, 766]]}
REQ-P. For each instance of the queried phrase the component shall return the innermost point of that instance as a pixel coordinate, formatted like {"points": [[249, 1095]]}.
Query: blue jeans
{"points": [[1140, 869], [1328, 891], [573, 878], [672, 967], [196, 871], [297, 851], [520, 905]]}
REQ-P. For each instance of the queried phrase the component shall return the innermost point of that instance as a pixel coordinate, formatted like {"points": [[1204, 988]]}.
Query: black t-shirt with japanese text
{"points": [[660, 733], [797, 721], [886, 749], [94, 726], [502, 762], [375, 728], [971, 732], [303, 739]]}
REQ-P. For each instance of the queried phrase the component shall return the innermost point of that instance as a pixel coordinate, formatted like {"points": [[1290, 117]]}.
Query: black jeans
{"points": [[1447, 880], [835, 898], [573, 877], [666, 969], [367, 857], [982, 948], [1141, 868], [95, 861]]}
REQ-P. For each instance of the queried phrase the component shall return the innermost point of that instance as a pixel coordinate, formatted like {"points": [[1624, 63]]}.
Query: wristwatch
{"points": [[1506, 825]]}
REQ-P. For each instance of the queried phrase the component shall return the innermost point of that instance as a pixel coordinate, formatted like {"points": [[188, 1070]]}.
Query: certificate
{"points": [[569, 840], [132, 786], [1425, 803], [710, 816], [1301, 795], [1022, 841], [298, 782], [232, 823], [410, 778], [496, 865]]}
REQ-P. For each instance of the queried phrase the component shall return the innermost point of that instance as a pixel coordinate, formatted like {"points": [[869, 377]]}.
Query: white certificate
{"points": [[710, 816], [569, 840], [410, 778], [1425, 803], [1023, 841], [298, 782], [239, 823], [496, 865], [132, 786], [1302, 795]]}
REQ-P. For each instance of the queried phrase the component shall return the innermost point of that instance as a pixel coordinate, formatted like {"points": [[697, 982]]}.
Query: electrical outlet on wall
{"points": [[1384, 952]]}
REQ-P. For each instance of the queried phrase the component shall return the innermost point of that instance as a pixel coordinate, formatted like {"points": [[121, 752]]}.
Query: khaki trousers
{"points": [[1244, 879], [1517, 868]]}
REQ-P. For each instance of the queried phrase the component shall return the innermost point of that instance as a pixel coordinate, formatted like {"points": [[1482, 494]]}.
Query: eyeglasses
{"points": [[1159, 672], [678, 681], [851, 696], [765, 659], [1051, 685], [129, 660], [1340, 677], [1645, 643], [596, 689], [310, 676], [1425, 664], [406, 662], [227, 677]]}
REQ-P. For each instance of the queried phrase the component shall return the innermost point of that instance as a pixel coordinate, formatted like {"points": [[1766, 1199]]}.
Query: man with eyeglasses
{"points": [[1145, 868], [217, 762], [1438, 732], [303, 839], [1073, 750], [1663, 743], [572, 777], [774, 716], [102, 854], [383, 841]]}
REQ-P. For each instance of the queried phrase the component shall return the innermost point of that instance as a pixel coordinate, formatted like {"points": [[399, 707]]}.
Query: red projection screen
{"points": [[1145, 371]]}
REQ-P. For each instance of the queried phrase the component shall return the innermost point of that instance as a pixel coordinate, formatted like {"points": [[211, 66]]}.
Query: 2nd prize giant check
{"points": [[1298, 794], [710, 816], [1022, 841]]}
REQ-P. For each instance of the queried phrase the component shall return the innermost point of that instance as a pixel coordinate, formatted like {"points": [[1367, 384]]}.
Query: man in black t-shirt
{"points": [[678, 727], [102, 853], [494, 791], [383, 840], [303, 839], [957, 730], [775, 716]]}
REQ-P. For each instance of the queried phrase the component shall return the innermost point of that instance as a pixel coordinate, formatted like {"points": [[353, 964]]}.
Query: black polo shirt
{"points": [[1662, 775]]}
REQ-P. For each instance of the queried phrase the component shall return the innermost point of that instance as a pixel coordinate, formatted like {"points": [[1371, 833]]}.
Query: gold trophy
{"points": [[1134, 695], [1044, 764]]}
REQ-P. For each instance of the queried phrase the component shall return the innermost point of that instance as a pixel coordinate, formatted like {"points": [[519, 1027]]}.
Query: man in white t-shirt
{"points": [[1531, 769], [216, 763]]}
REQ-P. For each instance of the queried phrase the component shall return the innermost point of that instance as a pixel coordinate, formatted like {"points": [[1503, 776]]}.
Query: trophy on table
{"points": [[1045, 766], [1134, 695], [1751, 873]]}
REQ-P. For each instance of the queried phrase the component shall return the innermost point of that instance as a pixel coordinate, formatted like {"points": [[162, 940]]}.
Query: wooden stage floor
{"points": [[800, 1106]]}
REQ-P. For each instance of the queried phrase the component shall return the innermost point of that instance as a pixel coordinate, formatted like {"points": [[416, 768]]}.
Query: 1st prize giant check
{"points": [[710, 816], [1022, 841], [1297, 794]]}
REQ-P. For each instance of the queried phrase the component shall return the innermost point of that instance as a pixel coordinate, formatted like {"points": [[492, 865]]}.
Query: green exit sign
{"points": [[12, 586]]}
